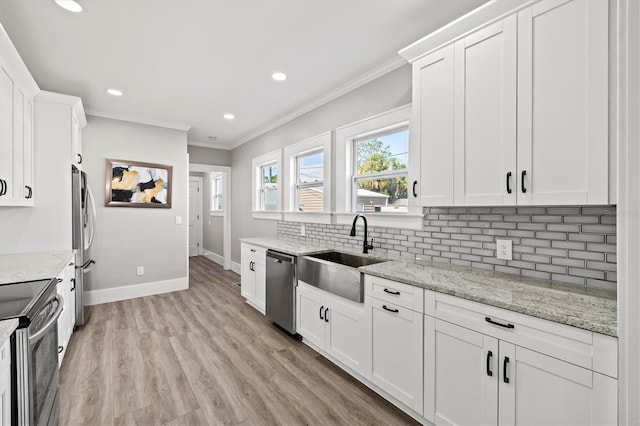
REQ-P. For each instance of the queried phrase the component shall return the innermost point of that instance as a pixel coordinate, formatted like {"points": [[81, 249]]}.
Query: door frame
{"points": [[226, 202], [199, 228]]}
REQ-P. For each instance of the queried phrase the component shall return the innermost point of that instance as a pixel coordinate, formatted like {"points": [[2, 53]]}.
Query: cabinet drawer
{"points": [[580, 347], [5, 356], [258, 252], [400, 294]]}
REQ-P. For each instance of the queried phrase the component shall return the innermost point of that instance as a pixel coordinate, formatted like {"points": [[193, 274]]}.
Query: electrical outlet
{"points": [[303, 230], [140, 270], [178, 220], [504, 249]]}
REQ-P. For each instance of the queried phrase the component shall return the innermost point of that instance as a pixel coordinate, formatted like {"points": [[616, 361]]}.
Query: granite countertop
{"points": [[582, 307], [18, 267], [7, 327]]}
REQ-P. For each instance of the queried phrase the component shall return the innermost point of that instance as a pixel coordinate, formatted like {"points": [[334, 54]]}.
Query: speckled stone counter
{"points": [[20, 267], [590, 309], [7, 327]]}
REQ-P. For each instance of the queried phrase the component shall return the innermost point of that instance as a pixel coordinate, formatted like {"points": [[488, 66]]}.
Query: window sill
{"points": [[308, 217], [216, 212], [266, 215], [386, 220]]}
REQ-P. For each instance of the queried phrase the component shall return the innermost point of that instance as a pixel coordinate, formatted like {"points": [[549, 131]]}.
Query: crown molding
{"points": [[363, 79], [59, 98], [209, 145], [147, 121]]}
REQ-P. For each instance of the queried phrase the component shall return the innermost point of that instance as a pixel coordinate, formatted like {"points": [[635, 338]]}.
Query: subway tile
{"points": [[440, 247], [581, 219], [503, 225], [434, 253], [599, 210], [568, 279], [440, 235], [604, 248], [432, 240], [546, 219], [415, 250], [468, 217], [474, 224], [448, 216], [507, 270], [483, 266], [491, 217], [563, 227], [457, 210], [483, 238], [517, 218], [461, 263], [564, 211], [555, 252], [471, 257], [599, 229], [586, 255], [520, 233], [590, 238], [438, 210], [608, 220], [535, 243], [536, 274], [495, 232], [450, 255], [612, 239], [479, 210], [532, 210], [430, 228], [399, 237], [494, 261], [532, 226], [551, 235], [450, 242], [471, 231], [465, 250], [458, 223], [503, 210], [601, 284], [462, 237], [489, 246], [612, 276], [438, 222], [601, 266], [535, 258], [587, 273], [424, 246], [482, 252], [440, 259], [523, 249], [451, 229], [554, 269], [407, 232], [521, 264], [472, 244], [612, 257], [400, 248]]}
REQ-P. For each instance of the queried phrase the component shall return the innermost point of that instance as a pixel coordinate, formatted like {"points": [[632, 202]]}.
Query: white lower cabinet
{"points": [[5, 383], [334, 325], [253, 277], [474, 375], [67, 319]]}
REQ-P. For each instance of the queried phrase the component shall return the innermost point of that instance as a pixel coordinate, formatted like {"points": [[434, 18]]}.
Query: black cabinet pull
{"points": [[490, 321], [326, 314], [30, 193], [3, 187], [489, 356], [251, 266], [253, 250], [505, 369], [522, 176], [321, 309], [508, 182], [415, 194], [386, 290], [60, 349], [79, 158], [58, 280], [389, 309], [73, 281]]}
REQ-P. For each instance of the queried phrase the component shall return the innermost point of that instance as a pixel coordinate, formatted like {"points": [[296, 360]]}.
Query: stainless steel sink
{"points": [[336, 273]]}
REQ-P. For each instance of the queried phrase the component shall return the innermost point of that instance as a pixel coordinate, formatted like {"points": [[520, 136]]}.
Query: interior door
{"points": [[195, 216]]}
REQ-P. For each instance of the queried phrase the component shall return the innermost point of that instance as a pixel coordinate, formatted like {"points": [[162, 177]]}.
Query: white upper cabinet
{"points": [[17, 92], [526, 94], [485, 116], [431, 162], [563, 102]]}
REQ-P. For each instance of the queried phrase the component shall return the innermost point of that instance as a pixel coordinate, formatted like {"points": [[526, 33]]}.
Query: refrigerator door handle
{"points": [[88, 266], [91, 206]]}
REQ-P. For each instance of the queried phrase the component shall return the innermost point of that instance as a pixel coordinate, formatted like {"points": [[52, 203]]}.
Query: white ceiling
{"points": [[187, 62]]}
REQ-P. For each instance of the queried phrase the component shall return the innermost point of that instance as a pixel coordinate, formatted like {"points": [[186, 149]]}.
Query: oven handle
{"points": [[52, 321]]}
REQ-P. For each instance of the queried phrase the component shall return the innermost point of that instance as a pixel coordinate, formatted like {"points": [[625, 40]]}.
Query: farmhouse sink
{"points": [[336, 273]]}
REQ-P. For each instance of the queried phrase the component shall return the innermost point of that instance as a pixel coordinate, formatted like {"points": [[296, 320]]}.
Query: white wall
{"points": [[387, 92], [130, 237]]}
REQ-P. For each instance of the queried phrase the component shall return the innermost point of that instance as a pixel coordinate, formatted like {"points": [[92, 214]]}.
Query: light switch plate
{"points": [[178, 220], [504, 249]]}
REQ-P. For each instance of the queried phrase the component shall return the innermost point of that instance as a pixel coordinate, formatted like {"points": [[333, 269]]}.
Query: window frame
{"points": [[257, 164], [215, 194], [345, 165], [320, 143]]}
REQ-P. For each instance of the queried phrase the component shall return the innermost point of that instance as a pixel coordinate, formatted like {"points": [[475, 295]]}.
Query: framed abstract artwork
{"points": [[137, 184]]}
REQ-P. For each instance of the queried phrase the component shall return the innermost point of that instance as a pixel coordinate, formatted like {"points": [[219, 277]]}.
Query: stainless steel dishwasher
{"points": [[281, 290]]}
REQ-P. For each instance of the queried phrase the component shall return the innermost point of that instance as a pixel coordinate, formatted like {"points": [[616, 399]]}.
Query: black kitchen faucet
{"points": [[365, 247]]}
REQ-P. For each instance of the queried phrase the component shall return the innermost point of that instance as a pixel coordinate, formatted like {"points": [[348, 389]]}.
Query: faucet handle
{"points": [[370, 246]]}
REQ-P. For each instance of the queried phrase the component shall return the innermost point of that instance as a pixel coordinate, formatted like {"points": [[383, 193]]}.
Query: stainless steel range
{"points": [[34, 355]]}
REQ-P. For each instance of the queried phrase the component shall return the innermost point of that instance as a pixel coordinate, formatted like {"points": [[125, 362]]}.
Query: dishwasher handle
{"points": [[278, 257]]}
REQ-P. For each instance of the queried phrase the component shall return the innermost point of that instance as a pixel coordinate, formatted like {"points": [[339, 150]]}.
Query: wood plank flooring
{"points": [[203, 356]]}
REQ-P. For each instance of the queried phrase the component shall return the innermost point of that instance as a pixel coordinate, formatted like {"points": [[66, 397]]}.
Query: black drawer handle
{"points": [[321, 309], [386, 290], [3, 187], [58, 280], [30, 192], [60, 349], [253, 250], [73, 281], [79, 158], [389, 309], [326, 314], [415, 194], [489, 356], [508, 182], [522, 176], [490, 321], [505, 369]]}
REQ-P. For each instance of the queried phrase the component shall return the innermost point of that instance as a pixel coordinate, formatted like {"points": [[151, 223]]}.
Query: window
{"points": [[309, 182], [380, 172], [217, 189], [267, 187]]}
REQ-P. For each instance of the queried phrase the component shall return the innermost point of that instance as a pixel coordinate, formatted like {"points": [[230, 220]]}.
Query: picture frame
{"points": [[137, 184]]}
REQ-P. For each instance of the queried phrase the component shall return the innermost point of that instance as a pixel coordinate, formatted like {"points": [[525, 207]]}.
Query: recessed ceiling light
{"points": [[229, 116], [70, 5], [212, 138], [114, 92], [279, 76]]}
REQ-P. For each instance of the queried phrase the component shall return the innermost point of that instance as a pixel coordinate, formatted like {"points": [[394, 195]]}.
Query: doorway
{"points": [[215, 220], [195, 216]]}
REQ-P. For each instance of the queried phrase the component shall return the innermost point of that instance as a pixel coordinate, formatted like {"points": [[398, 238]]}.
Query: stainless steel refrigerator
{"points": [[84, 216]]}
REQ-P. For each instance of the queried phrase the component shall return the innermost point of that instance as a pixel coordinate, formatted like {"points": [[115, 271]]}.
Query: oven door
{"points": [[43, 364]]}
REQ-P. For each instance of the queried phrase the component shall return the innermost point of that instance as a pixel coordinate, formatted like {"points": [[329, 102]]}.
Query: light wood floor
{"points": [[203, 356]]}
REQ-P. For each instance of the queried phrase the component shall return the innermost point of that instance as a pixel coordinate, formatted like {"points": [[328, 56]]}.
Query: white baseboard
{"points": [[235, 267], [115, 294], [214, 256]]}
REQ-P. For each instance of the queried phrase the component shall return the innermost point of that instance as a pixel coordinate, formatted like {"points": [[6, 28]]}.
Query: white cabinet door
{"points": [[76, 153], [563, 102], [27, 164], [5, 383], [397, 359], [345, 334], [71, 304], [485, 116], [431, 143], [6, 136], [538, 389], [63, 321], [461, 375], [260, 282], [19, 192], [247, 277], [310, 315]]}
